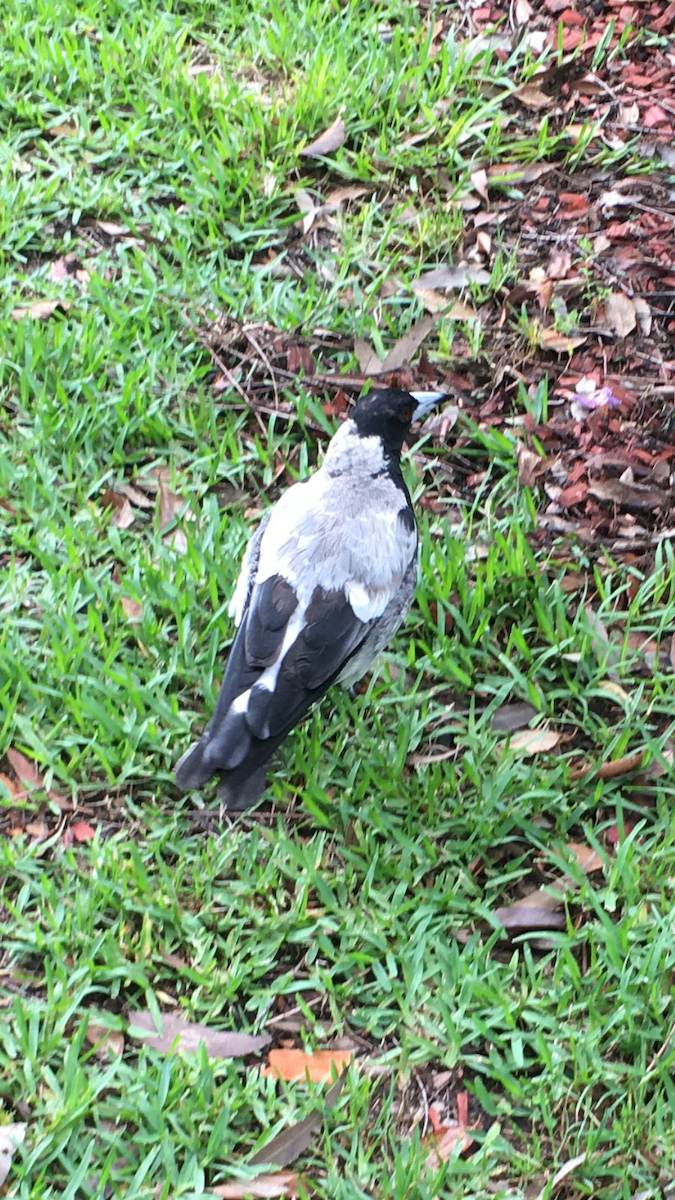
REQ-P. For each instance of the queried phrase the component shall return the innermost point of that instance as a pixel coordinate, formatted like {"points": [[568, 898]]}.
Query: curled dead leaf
{"points": [[328, 141]]}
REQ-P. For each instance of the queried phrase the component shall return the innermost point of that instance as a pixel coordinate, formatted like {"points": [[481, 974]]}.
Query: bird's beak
{"points": [[426, 401]]}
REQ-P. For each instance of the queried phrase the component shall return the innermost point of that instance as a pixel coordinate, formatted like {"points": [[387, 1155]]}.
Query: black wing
{"points": [[251, 719]]}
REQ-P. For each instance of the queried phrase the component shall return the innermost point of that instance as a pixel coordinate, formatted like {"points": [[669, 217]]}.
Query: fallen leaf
{"points": [[260, 1188], [453, 1138], [307, 207], [533, 97], [611, 769], [529, 465], [587, 859], [369, 363], [560, 343], [40, 310], [109, 1043], [509, 717], [328, 141], [66, 129], [535, 741], [11, 1136], [620, 314], [12, 787], [37, 829], [82, 831], [561, 1175], [283, 1149], [535, 912], [451, 277], [68, 267], [131, 608], [300, 1064], [644, 315], [137, 498], [26, 770], [341, 195], [403, 350], [523, 12], [186, 1035], [170, 505], [630, 495], [479, 182]]}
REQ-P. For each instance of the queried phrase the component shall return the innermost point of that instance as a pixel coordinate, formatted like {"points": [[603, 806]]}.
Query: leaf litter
{"points": [[186, 1036]]}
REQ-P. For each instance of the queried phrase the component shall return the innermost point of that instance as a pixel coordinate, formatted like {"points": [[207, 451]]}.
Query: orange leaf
{"points": [[82, 831], [454, 1138], [298, 1064], [12, 787]]}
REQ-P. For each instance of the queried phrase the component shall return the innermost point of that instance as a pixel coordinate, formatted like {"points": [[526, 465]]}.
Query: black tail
{"points": [[240, 787]]}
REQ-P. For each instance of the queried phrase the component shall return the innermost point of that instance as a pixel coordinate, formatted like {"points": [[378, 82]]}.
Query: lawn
{"points": [[462, 875]]}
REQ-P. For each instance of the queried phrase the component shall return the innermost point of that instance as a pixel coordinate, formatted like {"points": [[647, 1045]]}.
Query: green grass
{"points": [[341, 904]]}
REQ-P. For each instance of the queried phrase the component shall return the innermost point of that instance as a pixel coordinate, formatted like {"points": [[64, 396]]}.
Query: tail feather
{"points": [[239, 787]]}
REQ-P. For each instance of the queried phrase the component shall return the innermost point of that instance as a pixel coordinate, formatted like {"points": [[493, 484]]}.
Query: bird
{"points": [[325, 582]]}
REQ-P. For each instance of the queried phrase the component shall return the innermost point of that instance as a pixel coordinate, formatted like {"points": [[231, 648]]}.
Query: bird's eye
{"points": [[405, 414]]}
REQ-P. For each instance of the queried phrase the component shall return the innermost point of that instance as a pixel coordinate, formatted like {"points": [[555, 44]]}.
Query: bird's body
{"points": [[325, 583]]}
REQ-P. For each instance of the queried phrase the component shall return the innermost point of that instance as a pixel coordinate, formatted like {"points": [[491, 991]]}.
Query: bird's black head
{"points": [[386, 413]]}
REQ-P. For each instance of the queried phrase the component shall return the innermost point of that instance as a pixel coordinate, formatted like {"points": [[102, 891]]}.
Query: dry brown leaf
{"points": [[109, 1043], [529, 465], [403, 350], [587, 859], [536, 911], [29, 774], [12, 787], [644, 315], [170, 505], [263, 1187], [82, 831], [186, 1035], [479, 182], [40, 310], [66, 129], [341, 195], [535, 741], [26, 770], [11, 1136], [611, 769], [283, 1149], [632, 495], [369, 363], [454, 1138], [620, 314], [560, 265], [533, 97], [138, 499], [328, 141], [300, 1064], [560, 343], [451, 277], [131, 608]]}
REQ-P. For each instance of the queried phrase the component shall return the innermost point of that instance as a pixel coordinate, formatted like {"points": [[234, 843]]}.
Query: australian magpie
{"points": [[325, 582]]}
